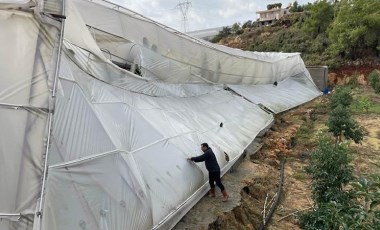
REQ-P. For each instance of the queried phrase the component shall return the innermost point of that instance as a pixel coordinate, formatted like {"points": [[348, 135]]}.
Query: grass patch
{"points": [[353, 81], [365, 105], [322, 107], [299, 176], [305, 132]]}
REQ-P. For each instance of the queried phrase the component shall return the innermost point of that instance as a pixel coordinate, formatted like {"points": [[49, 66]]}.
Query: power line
{"points": [[184, 8]]}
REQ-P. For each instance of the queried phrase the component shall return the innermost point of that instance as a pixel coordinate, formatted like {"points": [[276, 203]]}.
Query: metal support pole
{"points": [[51, 111]]}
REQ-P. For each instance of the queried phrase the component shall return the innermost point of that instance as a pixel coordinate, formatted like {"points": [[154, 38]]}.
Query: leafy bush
{"points": [[296, 8], [341, 96], [240, 31], [361, 212], [235, 27], [365, 211], [341, 124], [290, 40], [374, 80], [319, 44], [376, 87], [374, 77], [330, 171], [355, 29], [317, 58], [353, 80], [363, 104], [247, 24], [326, 216], [337, 207], [321, 16], [225, 32]]}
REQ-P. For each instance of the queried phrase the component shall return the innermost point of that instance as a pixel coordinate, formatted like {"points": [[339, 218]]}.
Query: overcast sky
{"points": [[202, 14]]}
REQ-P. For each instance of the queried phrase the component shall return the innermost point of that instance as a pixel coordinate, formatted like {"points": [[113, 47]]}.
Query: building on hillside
{"points": [[268, 17]]}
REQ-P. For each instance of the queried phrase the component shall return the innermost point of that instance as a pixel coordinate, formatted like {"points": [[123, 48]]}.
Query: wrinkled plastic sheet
{"points": [[288, 94], [27, 62], [217, 64], [120, 141], [136, 144]]}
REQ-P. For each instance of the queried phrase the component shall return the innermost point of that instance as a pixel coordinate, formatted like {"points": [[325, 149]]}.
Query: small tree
{"points": [[364, 103], [226, 31], [247, 24], [330, 171], [374, 77], [374, 80], [235, 27], [325, 216], [341, 124], [355, 30], [342, 97], [365, 211], [321, 15], [357, 208], [296, 8]]}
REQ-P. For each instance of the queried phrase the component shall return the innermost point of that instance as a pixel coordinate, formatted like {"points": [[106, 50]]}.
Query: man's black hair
{"points": [[205, 145]]}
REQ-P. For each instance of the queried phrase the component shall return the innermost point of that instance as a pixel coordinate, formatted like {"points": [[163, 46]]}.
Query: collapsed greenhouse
{"points": [[100, 107]]}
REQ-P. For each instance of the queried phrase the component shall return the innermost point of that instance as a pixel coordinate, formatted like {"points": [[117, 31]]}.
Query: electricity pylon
{"points": [[184, 8]]}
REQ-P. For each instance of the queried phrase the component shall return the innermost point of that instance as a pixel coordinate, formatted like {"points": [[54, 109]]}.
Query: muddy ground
{"points": [[292, 137]]}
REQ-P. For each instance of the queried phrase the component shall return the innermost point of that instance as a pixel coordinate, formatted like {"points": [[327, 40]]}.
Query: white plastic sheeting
{"points": [[16, 4], [83, 50], [119, 141], [26, 66], [123, 158], [288, 93], [215, 63]]}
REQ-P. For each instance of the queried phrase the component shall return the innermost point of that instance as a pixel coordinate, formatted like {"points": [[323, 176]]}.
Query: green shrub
{"points": [[353, 81], [342, 96], [376, 87], [239, 32], [363, 104], [285, 40], [361, 212], [365, 211], [341, 124], [325, 216], [374, 80], [373, 77], [330, 171], [247, 24]]}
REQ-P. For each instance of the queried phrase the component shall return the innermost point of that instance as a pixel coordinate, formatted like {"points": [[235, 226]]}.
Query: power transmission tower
{"points": [[184, 8]]}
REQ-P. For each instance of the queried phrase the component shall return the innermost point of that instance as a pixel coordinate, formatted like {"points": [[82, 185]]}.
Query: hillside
{"points": [[333, 34]]}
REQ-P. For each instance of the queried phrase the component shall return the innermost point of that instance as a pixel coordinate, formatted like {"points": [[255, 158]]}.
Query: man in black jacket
{"points": [[212, 166]]}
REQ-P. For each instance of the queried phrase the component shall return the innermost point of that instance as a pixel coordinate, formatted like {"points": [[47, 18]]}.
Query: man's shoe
{"points": [[212, 192], [225, 196]]}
